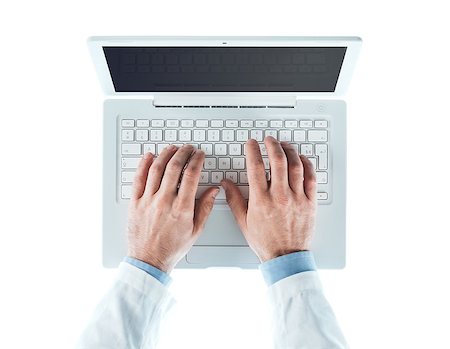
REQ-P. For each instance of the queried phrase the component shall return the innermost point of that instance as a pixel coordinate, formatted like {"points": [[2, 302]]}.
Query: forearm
{"points": [[130, 314], [302, 317]]}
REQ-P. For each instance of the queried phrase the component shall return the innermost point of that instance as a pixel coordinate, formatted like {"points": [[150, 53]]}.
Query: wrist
{"points": [[152, 260], [284, 266], [158, 274], [269, 255]]}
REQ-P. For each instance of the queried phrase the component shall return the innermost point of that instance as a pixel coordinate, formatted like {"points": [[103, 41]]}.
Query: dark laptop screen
{"points": [[224, 69]]}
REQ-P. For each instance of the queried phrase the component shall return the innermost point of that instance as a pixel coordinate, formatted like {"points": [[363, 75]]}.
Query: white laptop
{"points": [[215, 93]]}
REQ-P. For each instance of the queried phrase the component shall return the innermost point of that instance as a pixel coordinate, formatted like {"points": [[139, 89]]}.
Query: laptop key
{"points": [[235, 149], [130, 162], [172, 123], [142, 135], [317, 135], [242, 135], [322, 153], [272, 133], [276, 123], [127, 135], [126, 191], [150, 148], [261, 123], [201, 123], [204, 177], [127, 123], [285, 135], [217, 123], [322, 196], [256, 135], [232, 176], [157, 123], [207, 148], [306, 149], [220, 149], [128, 176], [199, 135], [156, 135], [299, 136], [131, 149], [322, 177], [224, 164], [321, 123], [231, 123], [216, 177], [143, 123], [238, 163], [187, 123], [306, 123], [210, 164], [243, 179]]}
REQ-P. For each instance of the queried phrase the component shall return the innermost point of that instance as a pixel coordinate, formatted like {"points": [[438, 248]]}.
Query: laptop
{"points": [[215, 93]]}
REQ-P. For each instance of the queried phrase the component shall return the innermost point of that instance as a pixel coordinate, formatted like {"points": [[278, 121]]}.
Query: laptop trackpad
{"points": [[222, 256]]}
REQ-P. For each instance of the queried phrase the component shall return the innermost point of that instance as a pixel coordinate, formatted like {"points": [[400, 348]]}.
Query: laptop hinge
{"points": [[215, 101]]}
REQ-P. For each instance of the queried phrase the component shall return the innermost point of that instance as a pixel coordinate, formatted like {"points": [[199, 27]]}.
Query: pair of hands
{"points": [[165, 219]]}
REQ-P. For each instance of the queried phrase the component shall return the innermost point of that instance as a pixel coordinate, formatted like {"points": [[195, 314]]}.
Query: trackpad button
{"points": [[222, 256]]}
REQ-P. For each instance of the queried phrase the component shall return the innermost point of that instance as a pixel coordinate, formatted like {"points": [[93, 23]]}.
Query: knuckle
{"points": [[295, 165], [283, 200], [192, 171], [279, 157], [181, 208], [156, 167], [175, 164]]}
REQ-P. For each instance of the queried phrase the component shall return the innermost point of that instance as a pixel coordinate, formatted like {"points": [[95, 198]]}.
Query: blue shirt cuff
{"points": [[159, 275], [281, 267]]}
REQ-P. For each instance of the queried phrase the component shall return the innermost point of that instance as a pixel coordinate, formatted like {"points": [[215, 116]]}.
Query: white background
{"points": [[394, 292]]}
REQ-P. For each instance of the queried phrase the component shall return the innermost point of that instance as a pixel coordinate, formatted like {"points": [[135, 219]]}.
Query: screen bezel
{"points": [[352, 43]]}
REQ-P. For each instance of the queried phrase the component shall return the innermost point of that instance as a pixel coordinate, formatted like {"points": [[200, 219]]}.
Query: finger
{"points": [[295, 168], [203, 208], [190, 178], [255, 167], [236, 202], [278, 164], [156, 172], [309, 183], [141, 175], [175, 167]]}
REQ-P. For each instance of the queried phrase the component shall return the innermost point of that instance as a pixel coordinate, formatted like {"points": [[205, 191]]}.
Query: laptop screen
{"points": [[224, 69]]}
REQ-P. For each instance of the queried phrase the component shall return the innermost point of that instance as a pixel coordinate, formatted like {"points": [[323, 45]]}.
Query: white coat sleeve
{"points": [[129, 315], [302, 317]]}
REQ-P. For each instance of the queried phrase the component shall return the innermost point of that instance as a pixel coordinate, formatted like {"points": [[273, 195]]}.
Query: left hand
{"points": [[164, 221]]}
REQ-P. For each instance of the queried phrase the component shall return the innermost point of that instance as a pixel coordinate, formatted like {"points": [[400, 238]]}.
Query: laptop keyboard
{"points": [[223, 142]]}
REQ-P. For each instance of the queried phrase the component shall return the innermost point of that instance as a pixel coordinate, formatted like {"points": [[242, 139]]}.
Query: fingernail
{"points": [[215, 193], [171, 147]]}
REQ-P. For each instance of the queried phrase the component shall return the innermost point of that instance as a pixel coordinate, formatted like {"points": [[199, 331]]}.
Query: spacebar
{"points": [[221, 195]]}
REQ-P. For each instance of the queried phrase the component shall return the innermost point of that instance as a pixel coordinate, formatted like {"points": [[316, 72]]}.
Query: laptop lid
{"points": [[248, 68]]}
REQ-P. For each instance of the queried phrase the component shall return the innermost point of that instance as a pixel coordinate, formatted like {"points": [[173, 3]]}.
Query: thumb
{"points": [[236, 202], [203, 208]]}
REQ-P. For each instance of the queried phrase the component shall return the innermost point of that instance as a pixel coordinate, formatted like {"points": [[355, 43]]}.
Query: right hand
{"points": [[280, 214]]}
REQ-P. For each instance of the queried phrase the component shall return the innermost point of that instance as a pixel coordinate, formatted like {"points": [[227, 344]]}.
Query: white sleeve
{"points": [[302, 317], [129, 315]]}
